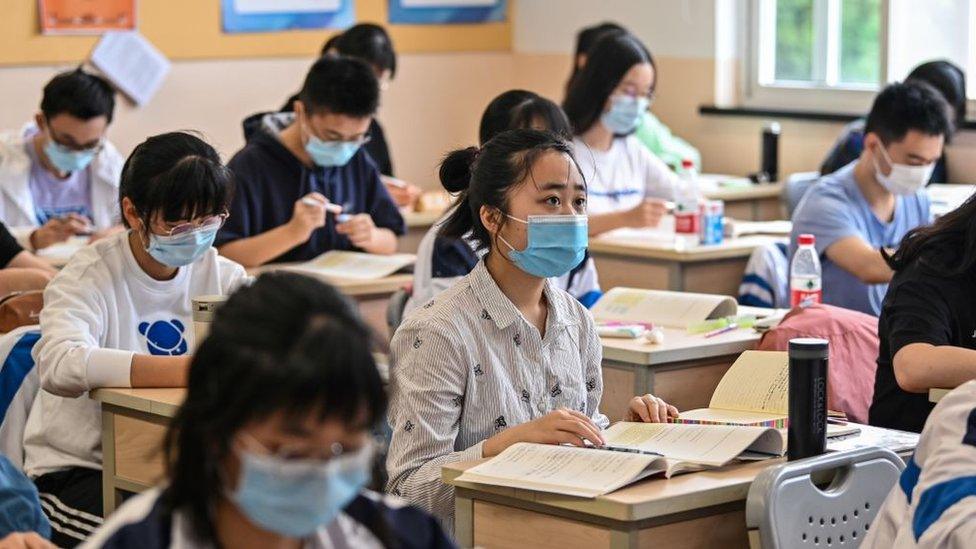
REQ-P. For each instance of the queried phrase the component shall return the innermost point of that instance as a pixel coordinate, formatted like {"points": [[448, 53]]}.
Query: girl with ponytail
{"points": [[503, 356]]}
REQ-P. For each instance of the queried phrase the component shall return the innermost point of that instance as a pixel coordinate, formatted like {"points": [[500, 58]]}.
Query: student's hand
{"points": [[307, 217], [563, 426], [54, 232], [360, 230], [403, 193], [646, 214], [25, 540], [650, 409]]}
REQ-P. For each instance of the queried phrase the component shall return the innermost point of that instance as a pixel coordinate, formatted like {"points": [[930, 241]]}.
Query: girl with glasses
{"points": [[118, 315]]}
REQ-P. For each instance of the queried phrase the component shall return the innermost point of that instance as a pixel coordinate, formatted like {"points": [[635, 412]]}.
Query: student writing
{"points": [[60, 176], [118, 315], [304, 184]]}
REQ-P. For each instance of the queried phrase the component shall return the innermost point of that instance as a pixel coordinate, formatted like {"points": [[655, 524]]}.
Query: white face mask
{"points": [[904, 179]]}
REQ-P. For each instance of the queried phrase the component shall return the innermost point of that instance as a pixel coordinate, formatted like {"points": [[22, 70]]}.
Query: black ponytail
{"points": [[484, 177]]}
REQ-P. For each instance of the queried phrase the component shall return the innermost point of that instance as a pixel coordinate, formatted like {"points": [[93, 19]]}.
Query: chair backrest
{"points": [[788, 509], [796, 186], [19, 383], [766, 280], [395, 308]]}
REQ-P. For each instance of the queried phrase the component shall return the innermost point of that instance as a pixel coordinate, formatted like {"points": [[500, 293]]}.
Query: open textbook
{"points": [[354, 265], [634, 451], [671, 309], [754, 392]]}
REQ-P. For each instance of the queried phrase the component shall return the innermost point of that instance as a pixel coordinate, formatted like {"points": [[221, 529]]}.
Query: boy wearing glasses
{"points": [[60, 177], [305, 185]]}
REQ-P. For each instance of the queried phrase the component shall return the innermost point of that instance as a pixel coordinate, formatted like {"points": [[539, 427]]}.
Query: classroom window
{"points": [[833, 55]]}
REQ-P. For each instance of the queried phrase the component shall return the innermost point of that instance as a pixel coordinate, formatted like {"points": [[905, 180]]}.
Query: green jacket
{"points": [[668, 147]]}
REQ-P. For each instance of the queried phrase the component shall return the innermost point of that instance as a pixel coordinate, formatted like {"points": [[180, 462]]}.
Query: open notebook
{"points": [[754, 392], [671, 309], [354, 265], [634, 451]]}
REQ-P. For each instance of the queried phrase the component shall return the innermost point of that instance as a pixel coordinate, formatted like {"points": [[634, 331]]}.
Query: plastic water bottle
{"points": [[806, 286], [687, 214]]}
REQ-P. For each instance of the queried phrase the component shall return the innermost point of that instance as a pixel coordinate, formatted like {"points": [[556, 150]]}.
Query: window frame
{"points": [[805, 95]]}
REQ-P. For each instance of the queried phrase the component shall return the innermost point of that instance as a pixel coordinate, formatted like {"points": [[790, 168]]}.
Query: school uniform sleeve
{"points": [[934, 502], [917, 312], [232, 275], [825, 213], [428, 376], [659, 180], [592, 353], [379, 204], [9, 248], [68, 356]]}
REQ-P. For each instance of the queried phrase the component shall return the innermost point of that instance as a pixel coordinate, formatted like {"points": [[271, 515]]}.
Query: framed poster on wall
{"points": [[437, 12], [85, 16], [280, 15]]}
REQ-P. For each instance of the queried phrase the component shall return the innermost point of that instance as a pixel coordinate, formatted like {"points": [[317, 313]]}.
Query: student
{"points": [[20, 270], [298, 167], [503, 356], [272, 446], [872, 202], [927, 323], [932, 505], [372, 44], [442, 261], [651, 132], [118, 315], [60, 177], [945, 77], [627, 185]]}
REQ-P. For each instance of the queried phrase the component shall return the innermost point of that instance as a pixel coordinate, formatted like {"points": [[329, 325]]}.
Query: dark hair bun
{"points": [[455, 171]]}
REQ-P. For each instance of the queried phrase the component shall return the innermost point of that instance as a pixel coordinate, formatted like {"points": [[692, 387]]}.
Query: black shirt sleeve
{"points": [[378, 150], [9, 248], [916, 311]]}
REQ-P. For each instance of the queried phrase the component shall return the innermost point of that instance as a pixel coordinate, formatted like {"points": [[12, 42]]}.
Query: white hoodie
{"points": [[99, 311], [17, 204]]}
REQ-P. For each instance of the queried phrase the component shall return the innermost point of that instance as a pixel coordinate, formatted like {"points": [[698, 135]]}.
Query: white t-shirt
{"points": [[620, 178], [99, 311]]}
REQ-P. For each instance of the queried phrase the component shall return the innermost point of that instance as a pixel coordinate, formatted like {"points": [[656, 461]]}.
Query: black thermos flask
{"points": [[807, 433], [770, 152]]}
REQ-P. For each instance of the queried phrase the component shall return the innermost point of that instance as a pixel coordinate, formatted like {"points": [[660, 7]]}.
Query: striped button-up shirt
{"points": [[467, 365]]}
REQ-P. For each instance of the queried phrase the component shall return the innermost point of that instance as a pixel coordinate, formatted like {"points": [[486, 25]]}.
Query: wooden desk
{"points": [[134, 423], [372, 296], [752, 203], [684, 370], [418, 223], [658, 265], [696, 510], [936, 395]]}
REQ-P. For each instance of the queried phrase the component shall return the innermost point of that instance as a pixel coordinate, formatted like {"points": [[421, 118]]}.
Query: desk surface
{"points": [[678, 346], [658, 497], [157, 402], [731, 248], [348, 286]]}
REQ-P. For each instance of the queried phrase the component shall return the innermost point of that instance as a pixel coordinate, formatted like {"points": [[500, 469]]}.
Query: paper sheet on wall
{"points": [[132, 63], [355, 265]]}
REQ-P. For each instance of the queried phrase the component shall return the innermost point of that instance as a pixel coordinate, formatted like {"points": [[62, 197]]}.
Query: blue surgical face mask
{"points": [[67, 160], [296, 497], [556, 244], [328, 154], [183, 249], [625, 113]]}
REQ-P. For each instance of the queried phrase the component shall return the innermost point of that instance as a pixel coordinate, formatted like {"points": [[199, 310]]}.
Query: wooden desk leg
{"points": [[676, 276], [623, 539], [110, 496], [463, 521]]}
